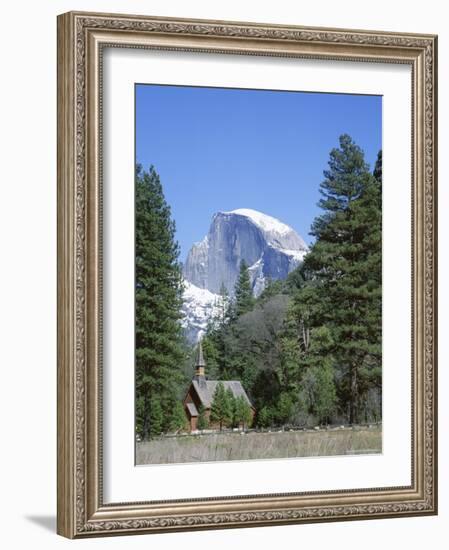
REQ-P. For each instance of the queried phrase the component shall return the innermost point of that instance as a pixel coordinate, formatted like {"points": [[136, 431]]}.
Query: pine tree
{"points": [[178, 418], [318, 379], [242, 412], [211, 349], [223, 306], [203, 423], [272, 288], [344, 268], [310, 345], [377, 172], [214, 341], [293, 342], [265, 417], [247, 415], [221, 411], [159, 351], [156, 418], [231, 406], [326, 398], [244, 300], [284, 408]]}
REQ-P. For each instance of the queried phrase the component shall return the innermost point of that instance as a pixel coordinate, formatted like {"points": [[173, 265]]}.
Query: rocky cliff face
{"points": [[270, 248]]}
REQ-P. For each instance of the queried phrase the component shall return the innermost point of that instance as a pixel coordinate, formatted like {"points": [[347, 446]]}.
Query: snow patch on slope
{"points": [[270, 248], [199, 306], [295, 254], [199, 295], [256, 274]]}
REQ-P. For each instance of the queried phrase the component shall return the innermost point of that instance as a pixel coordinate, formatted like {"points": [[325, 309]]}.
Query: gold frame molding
{"points": [[81, 38]]}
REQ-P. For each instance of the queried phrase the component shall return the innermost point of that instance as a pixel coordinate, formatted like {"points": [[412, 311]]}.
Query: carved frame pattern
{"points": [[81, 37]]}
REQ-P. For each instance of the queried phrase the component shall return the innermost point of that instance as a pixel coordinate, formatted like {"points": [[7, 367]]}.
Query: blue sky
{"points": [[219, 149]]}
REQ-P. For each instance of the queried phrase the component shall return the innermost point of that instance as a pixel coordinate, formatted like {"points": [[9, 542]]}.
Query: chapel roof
{"points": [[206, 390], [192, 409]]}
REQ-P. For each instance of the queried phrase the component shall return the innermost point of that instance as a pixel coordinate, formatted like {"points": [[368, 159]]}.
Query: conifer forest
{"points": [[307, 349]]}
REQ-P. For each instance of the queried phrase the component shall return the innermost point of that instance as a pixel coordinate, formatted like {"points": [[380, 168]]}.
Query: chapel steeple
{"points": [[200, 365]]}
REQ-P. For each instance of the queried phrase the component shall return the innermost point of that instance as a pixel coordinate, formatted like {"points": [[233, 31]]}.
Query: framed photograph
{"points": [[246, 274]]}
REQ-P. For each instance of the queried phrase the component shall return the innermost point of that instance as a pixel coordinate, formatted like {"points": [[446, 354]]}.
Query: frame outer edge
{"points": [[66, 340], [435, 271], [76, 425]]}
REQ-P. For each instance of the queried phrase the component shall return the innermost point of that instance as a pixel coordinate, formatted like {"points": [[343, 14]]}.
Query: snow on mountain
{"points": [[199, 305], [270, 248], [265, 222], [297, 255]]}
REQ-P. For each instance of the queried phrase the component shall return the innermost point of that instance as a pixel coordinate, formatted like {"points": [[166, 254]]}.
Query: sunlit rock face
{"points": [[270, 248]]}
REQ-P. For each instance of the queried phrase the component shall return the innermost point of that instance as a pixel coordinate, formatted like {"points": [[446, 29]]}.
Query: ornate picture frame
{"points": [[82, 39]]}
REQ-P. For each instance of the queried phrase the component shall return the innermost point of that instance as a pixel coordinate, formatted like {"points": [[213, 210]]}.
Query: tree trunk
{"points": [[354, 395], [146, 419]]}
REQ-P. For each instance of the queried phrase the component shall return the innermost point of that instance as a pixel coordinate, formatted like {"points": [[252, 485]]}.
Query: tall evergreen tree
{"points": [[244, 299], [214, 341], [265, 417], [203, 422], [212, 352], [221, 408], [223, 306], [178, 419], [377, 172], [158, 294], [319, 395], [310, 345], [344, 267], [156, 417], [231, 403], [242, 413]]}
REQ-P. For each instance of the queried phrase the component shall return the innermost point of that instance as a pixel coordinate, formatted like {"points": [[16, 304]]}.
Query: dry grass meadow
{"points": [[260, 445]]}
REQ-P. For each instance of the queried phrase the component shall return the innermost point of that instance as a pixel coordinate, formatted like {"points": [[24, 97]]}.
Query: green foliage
{"points": [[377, 172], [156, 418], [265, 417], [178, 419], [242, 412], [290, 349], [223, 306], [203, 422], [294, 281], [159, 342], [319, 392], [231, 403], [244, 299], [221, 408], [272, 288], [214, 342], [325, 403], [285, 408], [310, 346], [211, 349], [343, 271]]}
